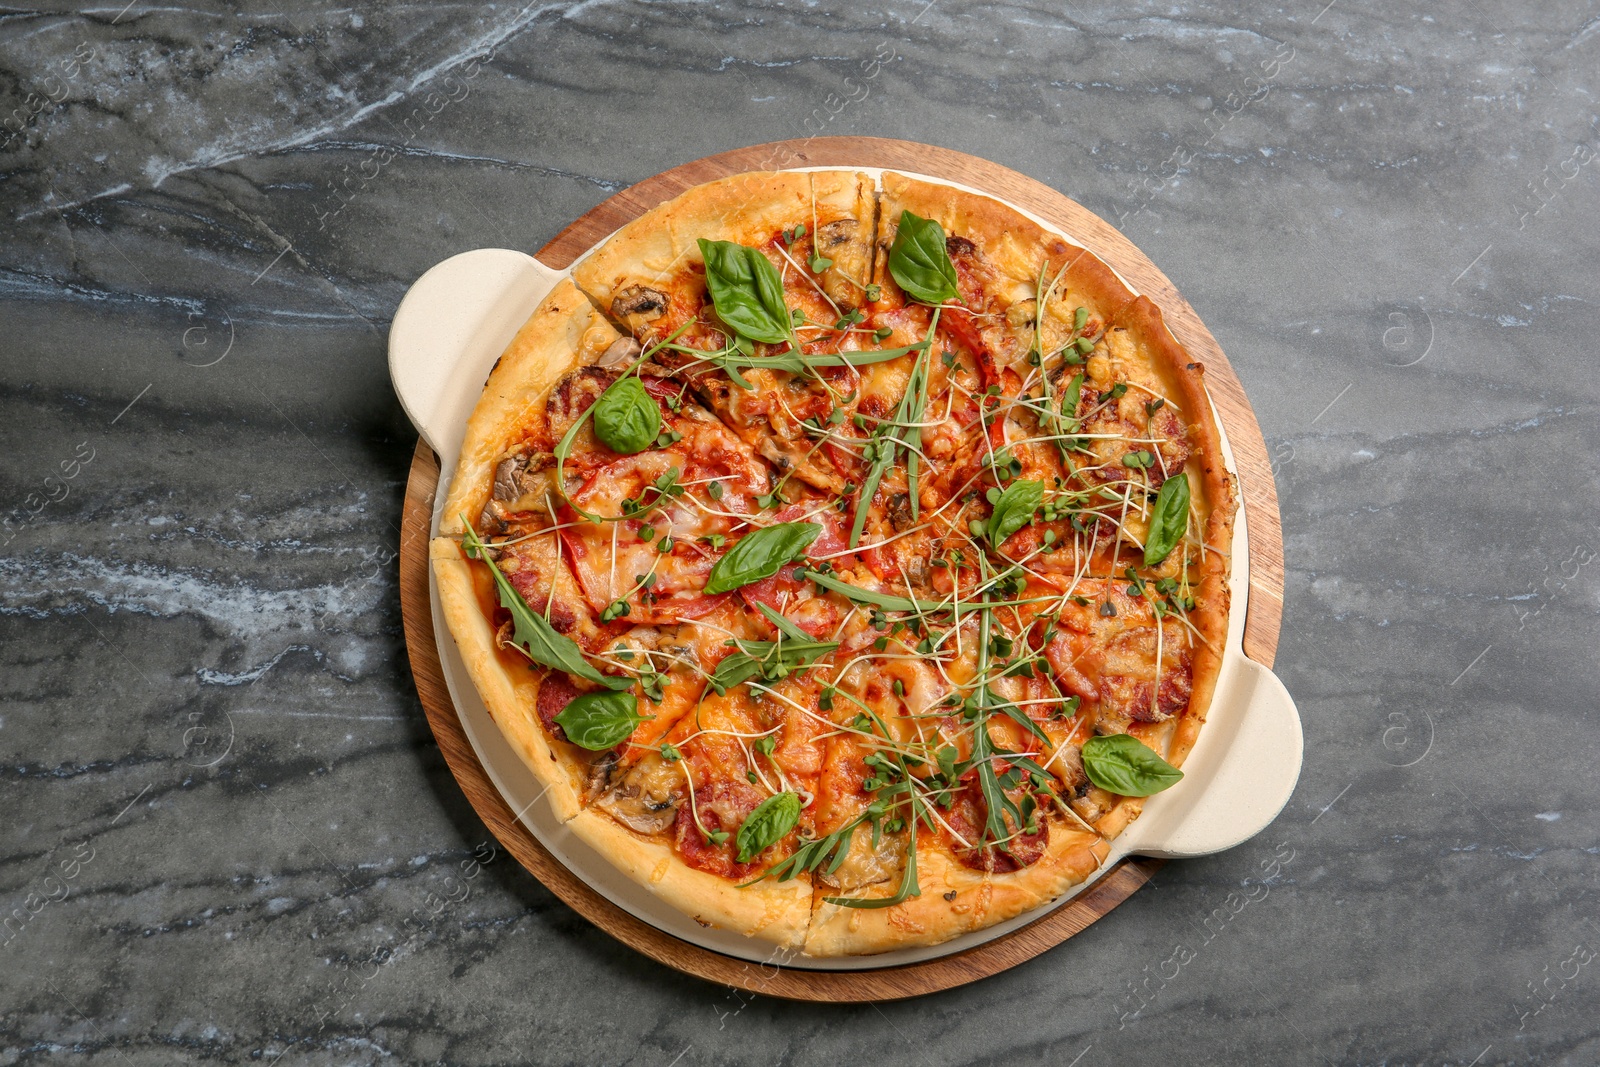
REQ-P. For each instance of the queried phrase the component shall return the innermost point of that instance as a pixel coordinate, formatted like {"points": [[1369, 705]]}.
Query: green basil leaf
{"points": [[773, 818], [1122, 764], [761, 554], [1014, 508], [1169, 519], [746, 291], [598, 721], [626, 417], [541, 641], [920, 262]]}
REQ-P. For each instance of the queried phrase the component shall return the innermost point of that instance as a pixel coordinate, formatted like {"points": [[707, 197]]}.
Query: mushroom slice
{"points": [[622, 350], [837, 240], [637, 305], [645, 798], [508, 477]]}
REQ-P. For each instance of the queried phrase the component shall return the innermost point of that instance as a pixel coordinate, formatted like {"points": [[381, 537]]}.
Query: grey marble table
{"points": [[228, 835]]}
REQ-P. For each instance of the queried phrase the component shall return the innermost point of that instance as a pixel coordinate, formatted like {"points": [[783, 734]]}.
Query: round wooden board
{"points": [[890, 983]]}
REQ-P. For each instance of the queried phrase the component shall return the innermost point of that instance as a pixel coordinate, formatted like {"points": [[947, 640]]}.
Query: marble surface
{"points": [[228, 836]]}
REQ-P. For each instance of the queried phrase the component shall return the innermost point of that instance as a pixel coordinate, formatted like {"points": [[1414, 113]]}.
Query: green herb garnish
{"points": [[761, 554], [626, 418], [919, 261], [768, 824], [1122, 764], [1169, 519], [598, 721]]}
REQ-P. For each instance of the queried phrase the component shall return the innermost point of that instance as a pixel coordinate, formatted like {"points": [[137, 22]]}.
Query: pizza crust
{"points": [[776, 912], [563, 333], [509, 695], [745, 207], [1213, 488], [1014, 244], [954, 899]]}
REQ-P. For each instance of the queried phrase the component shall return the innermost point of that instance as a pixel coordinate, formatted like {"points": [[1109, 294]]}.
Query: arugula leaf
{"points": [[761, 554], [598, 721], [1013, 508], [908, 884], [796, 362], [764, 827], [747, 291], [1169, 519], [785, 627], [1069, 398], [811, 855], [626, 418], [908, 880], [1122, 764], [541, 641], [1066, 421], [888, 601], [772, 661], [736, 668], [920, 262], [1016, 715], [902, 434]]}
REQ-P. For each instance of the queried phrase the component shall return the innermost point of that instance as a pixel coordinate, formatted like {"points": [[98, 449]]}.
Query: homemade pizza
{"points": [[846, 557]]}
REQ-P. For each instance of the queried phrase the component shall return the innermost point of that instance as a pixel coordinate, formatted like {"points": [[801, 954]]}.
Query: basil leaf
{"points": [[1169, 519], [766, 826], [1014, 508], [626, 417], [598, 721], [761, 554], [920, 262], [541, 641], [1122, 764], [746, 291]]}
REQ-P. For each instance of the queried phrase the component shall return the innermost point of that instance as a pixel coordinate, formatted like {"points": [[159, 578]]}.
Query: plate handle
{"points": [[449, 329], [1242, 776]]}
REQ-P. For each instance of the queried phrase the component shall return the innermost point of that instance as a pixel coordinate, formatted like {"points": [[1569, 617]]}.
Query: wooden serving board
{"points": [[1261, 624]]}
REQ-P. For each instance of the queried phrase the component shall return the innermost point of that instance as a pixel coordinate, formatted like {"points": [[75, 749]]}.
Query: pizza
{"points": [[846, 556]]}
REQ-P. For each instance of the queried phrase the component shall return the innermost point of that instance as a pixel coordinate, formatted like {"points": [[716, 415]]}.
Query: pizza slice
{"points": [[809, 235]]}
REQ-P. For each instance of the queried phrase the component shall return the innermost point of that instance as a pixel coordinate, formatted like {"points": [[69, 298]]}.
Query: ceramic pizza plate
{"points": [[448, 331]]}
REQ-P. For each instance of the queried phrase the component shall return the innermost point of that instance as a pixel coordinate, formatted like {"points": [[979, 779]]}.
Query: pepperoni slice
{"points": [[556, 691], [828, 543], [722, 806], [792, 599], [966, 817]]}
